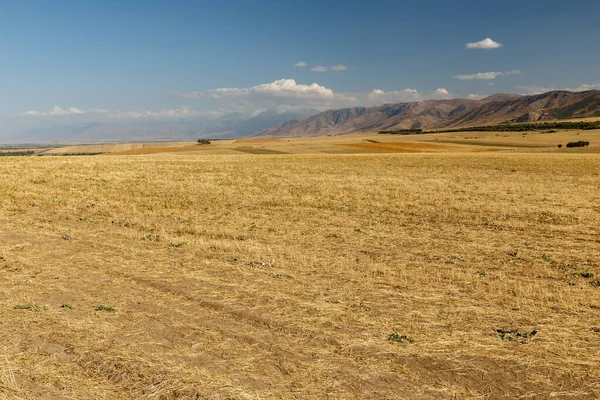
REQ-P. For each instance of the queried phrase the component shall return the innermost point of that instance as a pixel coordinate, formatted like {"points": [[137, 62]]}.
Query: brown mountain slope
{"points": [[436, 114]]}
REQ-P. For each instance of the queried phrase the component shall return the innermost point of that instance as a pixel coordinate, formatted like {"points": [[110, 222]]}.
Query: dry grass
{"points": [[282, 276]]}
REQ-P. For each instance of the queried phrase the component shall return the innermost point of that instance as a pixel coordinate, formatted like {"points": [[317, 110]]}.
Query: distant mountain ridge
{"points": [[229, 126], [439, 114]]}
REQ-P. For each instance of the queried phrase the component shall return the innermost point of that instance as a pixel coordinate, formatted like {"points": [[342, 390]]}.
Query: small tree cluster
{"points": [[203, 141], [16, 153], [412, 131], [581, 143]]}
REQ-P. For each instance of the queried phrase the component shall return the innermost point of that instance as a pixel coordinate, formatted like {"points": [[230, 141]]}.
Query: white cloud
{"points": [[279, 88], [276, 94], [486, 75], [484, 44], [585, 87], [335, 68], [289, 94], [300, 64], [440, 94], [479, 75], [56, 110], [379, 96], [59, 112], [473, 96], [544, 89]]}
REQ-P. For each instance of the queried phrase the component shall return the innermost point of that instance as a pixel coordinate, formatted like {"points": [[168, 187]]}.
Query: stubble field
{"points": [[317, 276]]}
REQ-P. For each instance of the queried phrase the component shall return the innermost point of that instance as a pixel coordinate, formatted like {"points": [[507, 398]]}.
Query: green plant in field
{"points": [[396, 337], [150, 237], [203, 141], [26, 306], [548, 259], [511, 335], [68, 306], [176, 245], [102, 307], [584, 275]]}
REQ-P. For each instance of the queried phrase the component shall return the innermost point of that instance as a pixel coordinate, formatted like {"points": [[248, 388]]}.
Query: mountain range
{"points": [[229, 126], [440, 114], [430, 115]]}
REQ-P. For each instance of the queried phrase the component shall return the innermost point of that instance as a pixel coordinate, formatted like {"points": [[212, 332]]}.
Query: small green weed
{"points": [[176, 245], [26, 306], [281, 276], [584, 275], [68, 306], [511, 335], [514, 253], [396, 337], [150, 237], [102, 307], [548, 259], [66, 237]]}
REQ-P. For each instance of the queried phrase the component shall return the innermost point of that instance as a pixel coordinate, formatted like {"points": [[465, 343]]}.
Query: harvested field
{"points": [[257, 150], [407, 147], [408, 276], [363, 143]]}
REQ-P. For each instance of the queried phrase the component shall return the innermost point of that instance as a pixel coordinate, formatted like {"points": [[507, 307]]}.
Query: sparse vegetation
{"points": [[581, 143], [512, 335], [411, 131], [16, 153], [102, 307], [542, 126], [396, 337], [26, 306], [204, 141]]}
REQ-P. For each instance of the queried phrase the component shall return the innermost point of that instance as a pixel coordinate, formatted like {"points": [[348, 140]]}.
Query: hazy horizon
{"points": [[146, 62]]}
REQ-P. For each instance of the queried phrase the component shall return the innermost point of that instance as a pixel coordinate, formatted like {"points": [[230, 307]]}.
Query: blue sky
{"points": [[164, 59]]}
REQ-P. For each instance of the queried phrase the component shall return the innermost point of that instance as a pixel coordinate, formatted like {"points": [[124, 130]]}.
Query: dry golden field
{"points": [[285, 276], [363, 143]]}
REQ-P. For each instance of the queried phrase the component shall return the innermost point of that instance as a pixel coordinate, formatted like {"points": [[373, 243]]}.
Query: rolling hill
{"points": [[438, 114]]}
